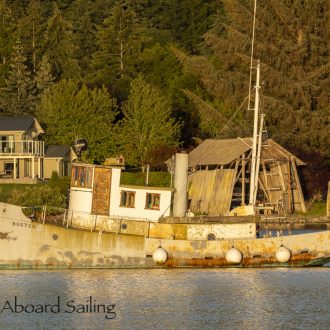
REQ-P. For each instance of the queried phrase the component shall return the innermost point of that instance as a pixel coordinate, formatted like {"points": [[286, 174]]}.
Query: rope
{"points": [[233, 115]]}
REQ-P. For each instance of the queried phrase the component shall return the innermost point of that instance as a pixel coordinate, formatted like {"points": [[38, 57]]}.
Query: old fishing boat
{"points": [[109, 225]]}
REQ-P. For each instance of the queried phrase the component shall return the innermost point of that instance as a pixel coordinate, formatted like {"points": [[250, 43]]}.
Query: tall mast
{"points": [[253, 175], [256, 175]]}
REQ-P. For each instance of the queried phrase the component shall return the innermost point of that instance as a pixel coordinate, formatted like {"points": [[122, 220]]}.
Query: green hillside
{"points": [[144, 78]]}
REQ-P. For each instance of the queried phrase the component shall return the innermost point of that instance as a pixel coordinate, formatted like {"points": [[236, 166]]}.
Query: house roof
{"points": [[218, 152], [222, 152], [272, 150], [57, 151], [15, 123]]}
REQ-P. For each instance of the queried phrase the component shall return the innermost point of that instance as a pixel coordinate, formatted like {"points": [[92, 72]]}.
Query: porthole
{"points": [[211, 237]]}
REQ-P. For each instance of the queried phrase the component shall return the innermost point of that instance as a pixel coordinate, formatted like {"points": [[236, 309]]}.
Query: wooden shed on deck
{"points": [[220, 171]]}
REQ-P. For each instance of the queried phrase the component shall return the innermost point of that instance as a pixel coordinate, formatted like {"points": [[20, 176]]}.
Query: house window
{"points": [[7, 143], [9, 169], [152, 201], [82, 176], [127, 198]]}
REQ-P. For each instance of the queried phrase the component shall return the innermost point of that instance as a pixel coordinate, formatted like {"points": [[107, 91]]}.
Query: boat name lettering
{"points": [[23, 224]]}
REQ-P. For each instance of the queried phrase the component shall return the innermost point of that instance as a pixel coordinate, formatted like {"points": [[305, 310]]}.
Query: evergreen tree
{"points": [[293, 46], [44, 78], [59, 47], [6, 39], [119, 41], [18, 95], [31, 28], [181, 21], [82, 15], [189, 20], [147, 123]]}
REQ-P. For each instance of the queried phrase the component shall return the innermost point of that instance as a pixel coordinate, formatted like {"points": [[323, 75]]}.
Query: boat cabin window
{"points": [[152, 201], [127, 198], [82, 176]]}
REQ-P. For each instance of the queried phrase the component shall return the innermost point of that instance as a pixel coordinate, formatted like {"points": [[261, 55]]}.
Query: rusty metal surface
{"points": [[101, 191], [247, 262]]}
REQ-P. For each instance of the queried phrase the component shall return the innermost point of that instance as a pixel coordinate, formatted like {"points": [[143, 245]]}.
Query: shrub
{"points": [[63, 184], [38, 196]]}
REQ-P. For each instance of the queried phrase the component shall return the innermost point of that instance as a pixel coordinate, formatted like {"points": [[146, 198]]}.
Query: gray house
{"points": [[21, 148], [23, 155]]}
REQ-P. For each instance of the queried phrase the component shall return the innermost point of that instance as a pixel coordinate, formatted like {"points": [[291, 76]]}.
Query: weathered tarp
{"points": [[211, 191]]}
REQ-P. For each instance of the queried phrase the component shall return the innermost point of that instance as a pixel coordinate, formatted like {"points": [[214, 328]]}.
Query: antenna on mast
{"points": [[252, 50]]}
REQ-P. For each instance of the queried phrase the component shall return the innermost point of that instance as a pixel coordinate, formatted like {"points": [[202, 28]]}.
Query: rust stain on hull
{"points": [[248, 262]]}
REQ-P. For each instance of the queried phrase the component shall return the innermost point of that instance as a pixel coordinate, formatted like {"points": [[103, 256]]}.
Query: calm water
{"points": [[172, 299]]}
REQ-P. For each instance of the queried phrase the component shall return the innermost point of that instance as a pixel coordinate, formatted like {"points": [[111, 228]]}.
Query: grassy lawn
{"points": [[319, 209], [156, 179]]}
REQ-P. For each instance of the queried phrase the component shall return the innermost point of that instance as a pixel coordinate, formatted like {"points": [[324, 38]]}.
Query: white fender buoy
{"points": [[160, 256], [234, 256], [283, 254]]}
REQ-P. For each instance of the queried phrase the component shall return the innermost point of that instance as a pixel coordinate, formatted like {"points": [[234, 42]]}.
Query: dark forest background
{"points": [[144, 77]]}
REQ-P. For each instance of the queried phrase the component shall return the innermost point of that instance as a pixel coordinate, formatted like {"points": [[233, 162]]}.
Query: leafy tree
{"points": [[18, 95], [71, 111], [161, 68], [147, 123], [59, 47]]}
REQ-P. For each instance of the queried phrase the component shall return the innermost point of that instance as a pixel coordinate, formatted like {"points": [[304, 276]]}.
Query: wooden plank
{"points": [[296, 178], [201, 185], [211, 191], [264, 171], [222, 192], [243, 179], [290, 198], [281, 176], [263, 189]]}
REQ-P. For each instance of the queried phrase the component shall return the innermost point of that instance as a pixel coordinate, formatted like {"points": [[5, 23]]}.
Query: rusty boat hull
{"points": [[25, 244]]}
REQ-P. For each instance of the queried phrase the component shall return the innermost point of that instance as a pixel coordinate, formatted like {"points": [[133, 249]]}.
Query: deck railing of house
{"points": [[22, 147]]}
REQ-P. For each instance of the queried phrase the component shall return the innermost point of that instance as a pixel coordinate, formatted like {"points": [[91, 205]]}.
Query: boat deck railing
{"points": [[64, 217]]}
